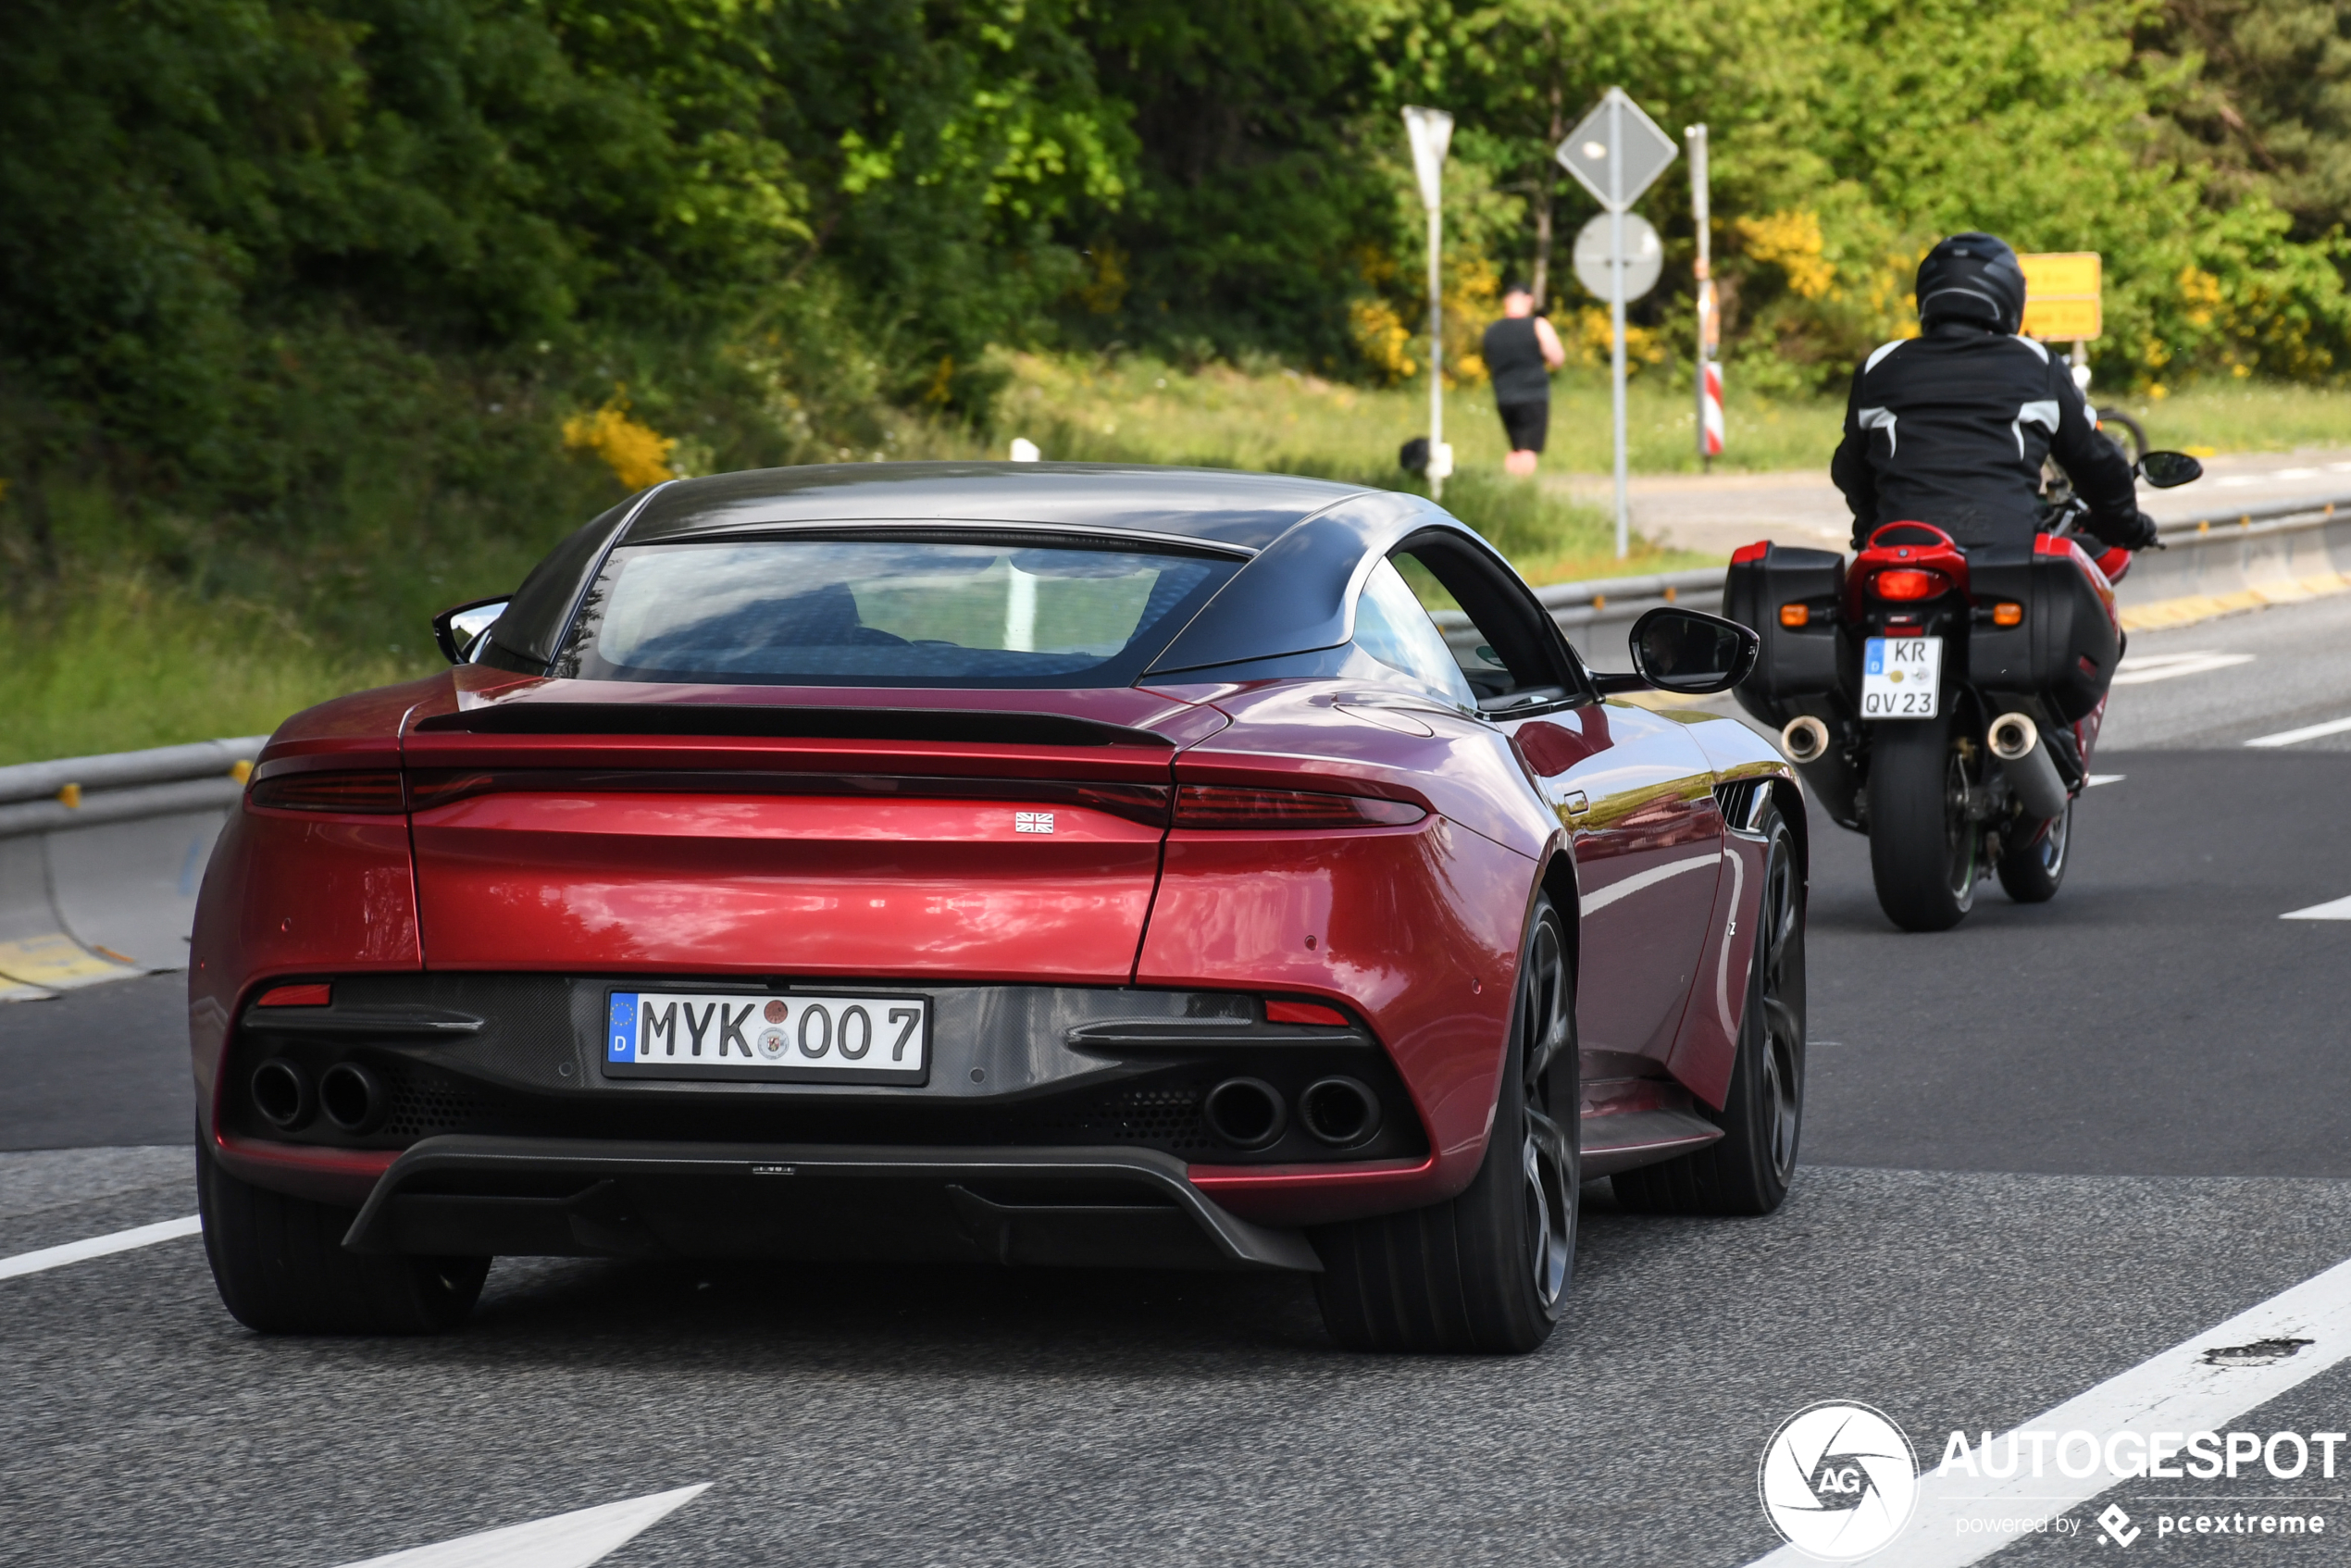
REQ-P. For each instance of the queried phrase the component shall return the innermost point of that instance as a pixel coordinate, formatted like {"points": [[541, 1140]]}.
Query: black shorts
{"points": [[1527, 423]]}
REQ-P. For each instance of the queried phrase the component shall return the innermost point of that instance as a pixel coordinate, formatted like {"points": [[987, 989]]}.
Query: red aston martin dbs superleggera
{"points": [[1032, 864]]}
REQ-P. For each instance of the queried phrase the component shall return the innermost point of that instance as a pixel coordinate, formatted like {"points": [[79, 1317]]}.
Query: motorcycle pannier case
{"points": [[1796, 661], [2066, 647]]}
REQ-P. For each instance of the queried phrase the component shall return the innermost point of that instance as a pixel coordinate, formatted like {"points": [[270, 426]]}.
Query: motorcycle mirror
{"points": [[458, 629], [1691, 652], [2166, 469]]}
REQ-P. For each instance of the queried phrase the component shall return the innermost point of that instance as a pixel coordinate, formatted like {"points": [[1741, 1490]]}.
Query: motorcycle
{"points": [[1942, 701]]}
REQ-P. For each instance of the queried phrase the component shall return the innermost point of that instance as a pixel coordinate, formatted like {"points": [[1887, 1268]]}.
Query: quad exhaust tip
{"points": [[353, 1097], [1245, 1113], [1805, 739], [1340, 1111], [281, 1093]]}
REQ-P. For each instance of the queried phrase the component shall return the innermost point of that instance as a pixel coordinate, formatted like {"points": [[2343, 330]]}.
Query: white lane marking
{"points": [[2098, 779], [2307, 732], [2231, 481], [2141, 669], [2335, 909], [98, 1247], [2178, 1390], [567, 1540], [2295, 474], [1638, 880]]}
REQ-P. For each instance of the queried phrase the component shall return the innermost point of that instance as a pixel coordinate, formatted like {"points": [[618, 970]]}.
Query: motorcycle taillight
{"points": [[1910, 582]]}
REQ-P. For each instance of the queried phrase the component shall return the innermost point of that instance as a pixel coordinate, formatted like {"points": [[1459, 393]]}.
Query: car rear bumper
{"points": [[1116, 1207]]}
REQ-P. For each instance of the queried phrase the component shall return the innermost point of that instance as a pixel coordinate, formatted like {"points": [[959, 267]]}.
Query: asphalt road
{"points": [[2040, 1148]]}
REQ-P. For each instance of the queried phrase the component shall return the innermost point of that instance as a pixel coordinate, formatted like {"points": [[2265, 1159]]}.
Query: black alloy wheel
{"points": [[281, 1265], [1923, 841], [2032, 868], [1749, 1169], [1485, 1273]]}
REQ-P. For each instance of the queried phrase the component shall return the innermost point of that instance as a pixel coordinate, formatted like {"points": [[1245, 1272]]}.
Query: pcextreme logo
{"points": [[1838, 1480]]}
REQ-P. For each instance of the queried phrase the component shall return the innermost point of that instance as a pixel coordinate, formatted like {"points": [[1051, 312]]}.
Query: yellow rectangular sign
{"points": [[2062, 294]]}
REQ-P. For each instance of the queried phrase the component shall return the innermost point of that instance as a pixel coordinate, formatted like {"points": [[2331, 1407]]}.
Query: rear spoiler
{"points": [[975, 725]]}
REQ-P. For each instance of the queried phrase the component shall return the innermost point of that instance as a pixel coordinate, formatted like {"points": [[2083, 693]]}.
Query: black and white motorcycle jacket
{"points": [[1950, 428]]}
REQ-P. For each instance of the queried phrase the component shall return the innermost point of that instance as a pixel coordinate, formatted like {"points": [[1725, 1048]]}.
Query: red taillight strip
{"points": [[361, 794], [1228, 806], [1146, 803]]}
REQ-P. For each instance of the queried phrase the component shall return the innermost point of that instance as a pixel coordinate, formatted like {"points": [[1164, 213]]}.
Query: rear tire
{"points": [[280, 1266], [1748, 1170], [1922, 845], [2031, 873], [1485, 1273]]}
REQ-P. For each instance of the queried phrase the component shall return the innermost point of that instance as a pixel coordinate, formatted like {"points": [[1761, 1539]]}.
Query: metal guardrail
{"points": [[121, 786], [1614, 601]]}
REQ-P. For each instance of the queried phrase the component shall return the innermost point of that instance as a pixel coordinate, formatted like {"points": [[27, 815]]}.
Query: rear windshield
{"points": [[886, 612]]}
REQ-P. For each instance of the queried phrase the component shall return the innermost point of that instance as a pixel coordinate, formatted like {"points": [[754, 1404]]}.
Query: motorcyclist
{"points": [[1950, 427]]}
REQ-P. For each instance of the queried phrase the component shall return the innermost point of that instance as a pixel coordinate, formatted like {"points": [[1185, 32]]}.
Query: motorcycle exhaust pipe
{"points": [[2016, 740], [1805, 739]]}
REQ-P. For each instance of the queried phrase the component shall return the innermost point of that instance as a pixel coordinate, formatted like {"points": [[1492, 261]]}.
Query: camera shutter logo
{"points": [[1838, 1480]]}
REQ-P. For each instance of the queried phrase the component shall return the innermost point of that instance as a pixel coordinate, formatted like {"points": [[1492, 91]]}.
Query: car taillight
{"points": [[356, 793], [1909, 582], [1303, 1013], [297, 996], [1221, 805]]}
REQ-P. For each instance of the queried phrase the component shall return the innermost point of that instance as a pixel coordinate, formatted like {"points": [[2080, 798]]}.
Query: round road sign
{"points": [[1644, 256]]}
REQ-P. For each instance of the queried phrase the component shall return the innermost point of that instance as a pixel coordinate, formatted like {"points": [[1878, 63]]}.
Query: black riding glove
{"points": [[2134, 531]]}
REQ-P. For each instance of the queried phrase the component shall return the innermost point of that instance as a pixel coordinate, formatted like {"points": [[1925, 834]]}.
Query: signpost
{"points": [[1617, 152], [2064, 298], [1431, 131], [1709, 324]]}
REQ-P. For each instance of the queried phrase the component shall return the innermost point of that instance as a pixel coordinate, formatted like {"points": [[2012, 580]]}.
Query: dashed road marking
{"points": [[2139, 669], [2193, 1386], [2098, 779], [2307, 732], [2336, 909], [565, 1540], [98, 1247]]}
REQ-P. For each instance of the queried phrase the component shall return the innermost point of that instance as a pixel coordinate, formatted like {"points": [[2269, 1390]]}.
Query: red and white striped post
{"points": [[1709, 331]]}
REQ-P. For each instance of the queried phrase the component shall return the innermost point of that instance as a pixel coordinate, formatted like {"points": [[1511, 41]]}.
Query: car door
{"points": [[1637, 797]]}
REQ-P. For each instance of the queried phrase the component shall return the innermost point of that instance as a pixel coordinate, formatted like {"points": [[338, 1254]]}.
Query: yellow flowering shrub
{"points": [[1791, 241], [637, 455], [1382, 339]]}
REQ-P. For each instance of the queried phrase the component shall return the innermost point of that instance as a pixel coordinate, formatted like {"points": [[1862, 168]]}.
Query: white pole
{"points": [[1616, 307], [1435, 353]]}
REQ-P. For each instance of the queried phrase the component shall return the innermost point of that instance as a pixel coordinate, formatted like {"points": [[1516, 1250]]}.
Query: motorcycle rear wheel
{"points": [[2031, 873], [1923, 844]]}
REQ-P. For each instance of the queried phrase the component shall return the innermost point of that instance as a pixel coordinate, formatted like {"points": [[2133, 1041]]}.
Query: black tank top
{"points": [[1514, 359]]}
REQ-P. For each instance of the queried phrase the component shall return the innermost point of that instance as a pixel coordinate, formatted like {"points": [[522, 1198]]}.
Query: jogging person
{"points": [[1521, 353]]}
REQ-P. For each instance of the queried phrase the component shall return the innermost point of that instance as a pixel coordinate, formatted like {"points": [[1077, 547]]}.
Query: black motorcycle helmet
{"points": [[1972, 278]]}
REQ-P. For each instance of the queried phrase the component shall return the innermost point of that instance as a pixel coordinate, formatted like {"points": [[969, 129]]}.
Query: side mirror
{"points": [[459, 630], [2166, 469], [1689, 651]]}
